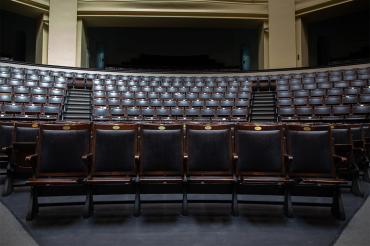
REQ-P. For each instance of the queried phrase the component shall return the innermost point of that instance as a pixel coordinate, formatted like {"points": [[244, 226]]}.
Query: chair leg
{"points": [[137, 207], [89, 204], [184, 200], [337, 208], [356, 185], [8, 184], [234, 203], [288, 207], [33, 206]]}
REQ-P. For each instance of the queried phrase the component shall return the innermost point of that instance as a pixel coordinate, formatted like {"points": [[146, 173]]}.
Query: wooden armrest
{"points": [[288, 157], [32, 161], [340, 158], [87, 157]]}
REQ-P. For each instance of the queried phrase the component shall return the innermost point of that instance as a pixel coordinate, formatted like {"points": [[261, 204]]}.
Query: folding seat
{"points": [[128, 95], [128, 102], [12, 110], [312, 165], [363, 76], [341, 84], [6, 89], [18, 76], [315, 101], [220, 89], [311, 86], [217, 96], [38, 91], [142, 103], [33, 77], [282, 88], [212, 103], [20, 98], [191, 112], [365, 98], [183, 89], [177, 112], [163, 112], [161, 158], [341, 110], [192, 96], [239, 113], [153, 95], [209, 159], [351, 91], [230, 95], [333, 100], [242, 103], [304, 113], [223, 113], [117, 113], [45, 85], [324, 85], [114, 102], [99, 102], [365, 90], [32, 111], [148, 112], [244, 95], [101, 113], [308, 80], [343, 146], [207, 89], [51, 111], [335, 78], [16, 82], [284, 102], [300, 101], [56, 92], [204, 96], [179, 96], [23, 144], [197, 103], [61, 80], [122, 88], [113, 94], [57, 166], [284, 94], [322, 111], [295, 87], [169, 103], [159, 89], [134, 112], [349, 77], [4, 74], [361, 111], [282, 82], [207, 113], [155, 103], [147, 89], [233, 89], [334, 92], [260, 160], [302, 93], [6, 138], [140, 95], [351, 99], [195, 89], [286, 113], [358, 83], [110, 88]]}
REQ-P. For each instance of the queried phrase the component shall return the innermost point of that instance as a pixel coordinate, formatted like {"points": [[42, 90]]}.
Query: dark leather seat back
{"points": [[209, 149], [341, 134], [26, 132], [6, 134], [61, 148], [115, 149], [311, 149], [259, 149], [161, 149]]}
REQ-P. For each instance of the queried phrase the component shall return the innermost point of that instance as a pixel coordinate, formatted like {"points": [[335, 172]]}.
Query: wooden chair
{"points": [[162, 155], [112, 160], [260, 159], [209, 158], [58, 161], [312, 164], [23, 144]]}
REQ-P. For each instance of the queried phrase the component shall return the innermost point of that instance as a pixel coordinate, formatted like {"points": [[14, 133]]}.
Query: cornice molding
{"points": [[308, 6]]}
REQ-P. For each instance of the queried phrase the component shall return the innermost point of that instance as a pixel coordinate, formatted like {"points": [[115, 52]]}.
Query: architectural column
{"points": [[42, 38], [82, 55], [62, 32], [302, 44], [282, 34], [263, 47]]}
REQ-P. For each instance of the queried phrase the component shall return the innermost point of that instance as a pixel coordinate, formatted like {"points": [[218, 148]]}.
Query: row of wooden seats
{"points": [[294, 159]]}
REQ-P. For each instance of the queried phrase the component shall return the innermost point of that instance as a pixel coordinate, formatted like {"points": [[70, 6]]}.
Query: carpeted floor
{"points": [[162, 224]]}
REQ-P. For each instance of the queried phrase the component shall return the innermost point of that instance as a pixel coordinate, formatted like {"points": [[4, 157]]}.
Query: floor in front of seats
{"points": [[162, 224]]}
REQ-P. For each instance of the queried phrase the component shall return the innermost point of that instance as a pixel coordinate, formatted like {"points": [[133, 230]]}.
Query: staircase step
{"points": [[79, 96], [263, 101], [263, 113], [78, 107], [67, 116], [87, 99], [69, 102], [267, 109], [263, 105], [74, 111]]}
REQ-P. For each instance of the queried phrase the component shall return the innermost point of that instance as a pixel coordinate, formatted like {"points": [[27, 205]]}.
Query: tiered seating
{"points": [[324, 96], [292, 160], [167, 98], [31, 94]]}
